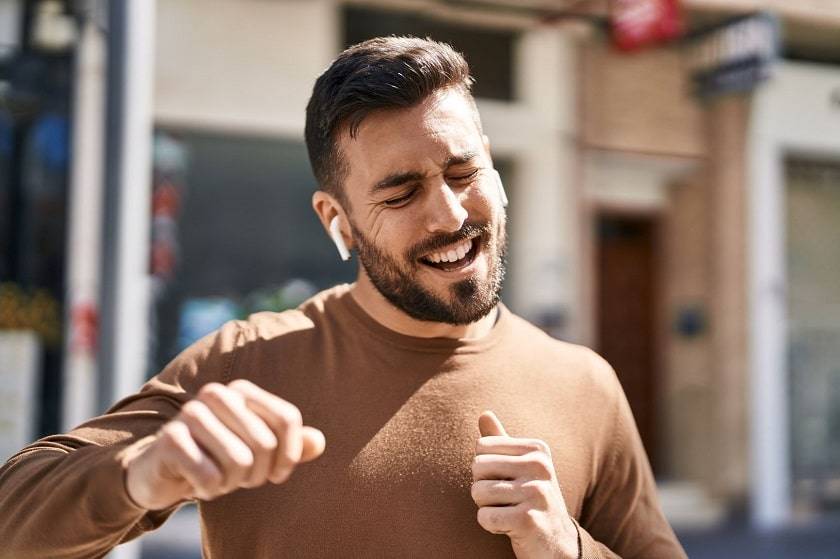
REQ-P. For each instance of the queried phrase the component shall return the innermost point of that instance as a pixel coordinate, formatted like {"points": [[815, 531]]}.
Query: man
{"points": [[392, 376]]}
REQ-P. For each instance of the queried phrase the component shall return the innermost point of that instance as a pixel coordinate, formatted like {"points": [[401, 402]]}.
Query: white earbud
{"points": [[502, 193], [335, 233]]}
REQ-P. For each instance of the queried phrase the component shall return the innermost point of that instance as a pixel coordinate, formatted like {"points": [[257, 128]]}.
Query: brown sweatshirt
{"points": [[400, 417]]}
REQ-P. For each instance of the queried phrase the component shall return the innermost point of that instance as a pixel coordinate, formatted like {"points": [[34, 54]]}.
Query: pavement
{"points": [[179, 539]]}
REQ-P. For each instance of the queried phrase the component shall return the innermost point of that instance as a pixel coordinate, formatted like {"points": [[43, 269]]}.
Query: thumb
{"points": [[490, 426], [313, 444]]}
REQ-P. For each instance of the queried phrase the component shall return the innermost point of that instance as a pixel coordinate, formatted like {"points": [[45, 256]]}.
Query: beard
{"points": [[467, 300]]}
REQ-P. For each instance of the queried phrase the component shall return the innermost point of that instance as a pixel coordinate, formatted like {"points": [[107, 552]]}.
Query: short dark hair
{"points": [[380, 73]]}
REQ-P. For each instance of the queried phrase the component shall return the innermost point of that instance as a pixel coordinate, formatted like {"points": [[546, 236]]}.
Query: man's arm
{"points": [[65, 495], [80, 494], [622, 518]]}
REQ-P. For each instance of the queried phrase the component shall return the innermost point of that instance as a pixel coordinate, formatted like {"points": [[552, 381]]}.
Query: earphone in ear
{"points": [[335, 233], [502, 193]]}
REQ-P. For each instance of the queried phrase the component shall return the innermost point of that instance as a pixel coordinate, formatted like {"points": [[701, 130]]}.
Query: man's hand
{"points": [[516, 489], [226, 438]]}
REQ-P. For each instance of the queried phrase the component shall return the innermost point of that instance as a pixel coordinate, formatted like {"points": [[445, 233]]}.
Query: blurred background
{"points": [[673, 168]]}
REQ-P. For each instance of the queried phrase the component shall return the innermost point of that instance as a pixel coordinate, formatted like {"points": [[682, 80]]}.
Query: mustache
{"points": [[467, 231]]}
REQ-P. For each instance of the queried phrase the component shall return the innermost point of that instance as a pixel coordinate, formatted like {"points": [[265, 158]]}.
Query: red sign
{"points": [[637, 23]]}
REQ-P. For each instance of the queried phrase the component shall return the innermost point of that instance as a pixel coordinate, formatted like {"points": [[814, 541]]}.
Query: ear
{"points": [[327, 207]]}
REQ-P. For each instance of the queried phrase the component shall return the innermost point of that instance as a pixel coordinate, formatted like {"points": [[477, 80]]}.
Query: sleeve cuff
{"points": [[123, 457], [588, 547], [578, 529]]}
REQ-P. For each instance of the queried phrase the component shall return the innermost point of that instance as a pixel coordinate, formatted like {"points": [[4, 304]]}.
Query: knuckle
{"points": [[529, 518], [291, 415], [281, 475], [265, 444], [171, 431], [192, 410], [539, 445], [210, 479], [243, 459], [289, 459], [542, 465], [485, 518], [475, 491], [538, 492], [251, 482], [532, 488], [212, 390], [242, 384]]}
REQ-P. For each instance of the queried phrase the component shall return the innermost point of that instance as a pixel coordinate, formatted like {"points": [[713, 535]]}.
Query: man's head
{"points": [[395, 141]]}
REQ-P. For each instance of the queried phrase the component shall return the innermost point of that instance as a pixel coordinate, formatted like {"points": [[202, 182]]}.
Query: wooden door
{"points": [[626, 302]]}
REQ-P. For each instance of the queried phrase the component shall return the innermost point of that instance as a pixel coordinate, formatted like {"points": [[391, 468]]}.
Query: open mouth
{"points": [[455, 257]]}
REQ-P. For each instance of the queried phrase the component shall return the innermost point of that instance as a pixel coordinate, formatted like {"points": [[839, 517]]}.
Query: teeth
{"points": [[452, 255]]}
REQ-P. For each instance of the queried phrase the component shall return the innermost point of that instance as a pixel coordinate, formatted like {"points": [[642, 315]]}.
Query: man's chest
{"points": [[397, 465]]}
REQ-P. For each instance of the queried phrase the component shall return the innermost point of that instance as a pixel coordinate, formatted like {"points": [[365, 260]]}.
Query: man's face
{"points": [[425, 210]]}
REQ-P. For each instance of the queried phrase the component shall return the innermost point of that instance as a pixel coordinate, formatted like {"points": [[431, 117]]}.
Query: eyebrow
{"points": [[398, 179]]}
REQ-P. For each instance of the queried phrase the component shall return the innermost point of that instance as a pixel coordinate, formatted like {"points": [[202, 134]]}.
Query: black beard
{"points": [[470, 299]]}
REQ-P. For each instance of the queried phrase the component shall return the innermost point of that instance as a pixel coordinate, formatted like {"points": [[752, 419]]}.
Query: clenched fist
{"points": [[518, 495], [227, 437]]}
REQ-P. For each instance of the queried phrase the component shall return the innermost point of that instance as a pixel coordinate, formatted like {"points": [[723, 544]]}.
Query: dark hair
{"points": [[380, 73]]}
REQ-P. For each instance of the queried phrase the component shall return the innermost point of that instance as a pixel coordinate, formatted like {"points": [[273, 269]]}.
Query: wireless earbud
{"points": [[335, 233], [502, 193]]}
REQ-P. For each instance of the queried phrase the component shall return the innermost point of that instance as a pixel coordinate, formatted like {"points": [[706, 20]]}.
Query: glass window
{"points": [[247, 238], [813, 269], [488, 51]]}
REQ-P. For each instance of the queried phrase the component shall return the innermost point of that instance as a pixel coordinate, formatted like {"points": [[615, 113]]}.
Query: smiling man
{"points": [[385, 384]]}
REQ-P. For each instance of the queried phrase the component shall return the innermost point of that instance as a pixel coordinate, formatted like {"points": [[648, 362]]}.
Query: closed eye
{"points": [[464, 178], [394, 202]]}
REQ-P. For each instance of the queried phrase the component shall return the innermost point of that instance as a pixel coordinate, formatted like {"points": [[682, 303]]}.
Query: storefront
{"points": [[34, 171], [794, 188]]}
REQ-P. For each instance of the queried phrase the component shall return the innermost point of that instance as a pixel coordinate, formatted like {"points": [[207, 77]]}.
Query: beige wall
{"points": [[244, 66], [639, 102], [687, 390], [650, 144]]}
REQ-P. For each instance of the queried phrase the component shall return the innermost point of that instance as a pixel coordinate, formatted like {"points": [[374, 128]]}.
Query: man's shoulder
{"points": [[572, 360], [307, 319]]}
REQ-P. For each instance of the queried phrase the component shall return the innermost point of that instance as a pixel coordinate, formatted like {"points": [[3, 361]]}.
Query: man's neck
{"points": [[384, 312]]}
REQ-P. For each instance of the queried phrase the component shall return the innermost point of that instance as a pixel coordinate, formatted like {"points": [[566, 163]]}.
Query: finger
{"points": [[314, 443], [184, 459], [229, 406], [510, 446], [284, 420], [499, 520], [493, 492], [489, 425], [501, 467], [233, 456], [534, 493]]}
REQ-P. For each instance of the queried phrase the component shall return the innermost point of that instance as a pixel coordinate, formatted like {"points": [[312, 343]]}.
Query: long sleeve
{"points": [[64, 496], [622, 518]]}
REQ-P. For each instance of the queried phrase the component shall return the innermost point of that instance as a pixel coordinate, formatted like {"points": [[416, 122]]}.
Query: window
{"points": [[489, 52]]}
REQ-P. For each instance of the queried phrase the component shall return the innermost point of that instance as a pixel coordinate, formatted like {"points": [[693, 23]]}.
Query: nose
{"points": [[446, 212]]}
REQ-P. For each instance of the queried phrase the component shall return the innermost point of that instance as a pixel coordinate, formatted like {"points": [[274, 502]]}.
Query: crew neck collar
{"points": [[416, 343]]}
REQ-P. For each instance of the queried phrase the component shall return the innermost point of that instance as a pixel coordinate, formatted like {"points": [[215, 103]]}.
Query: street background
{"points": [[673, 169]]}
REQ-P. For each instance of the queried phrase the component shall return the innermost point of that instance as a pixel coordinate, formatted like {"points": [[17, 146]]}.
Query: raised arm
{"points": [[80, 494]]}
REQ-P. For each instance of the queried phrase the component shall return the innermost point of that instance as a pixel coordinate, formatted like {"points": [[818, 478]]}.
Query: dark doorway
{"points": [[626, 301]]}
